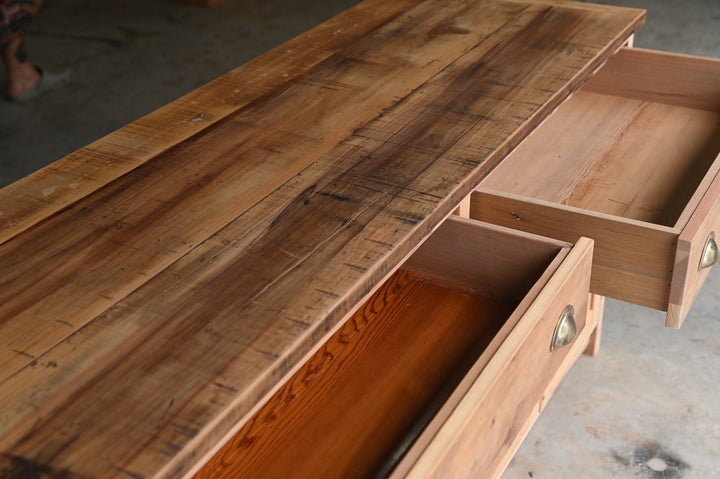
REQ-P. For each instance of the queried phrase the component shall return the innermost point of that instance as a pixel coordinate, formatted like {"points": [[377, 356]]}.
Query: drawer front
{"points": [[482, 432], [697, 252], [632, 261]]}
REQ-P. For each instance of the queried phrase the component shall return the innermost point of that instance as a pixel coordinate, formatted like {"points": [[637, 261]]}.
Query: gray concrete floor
{"points": [[648, 406]]}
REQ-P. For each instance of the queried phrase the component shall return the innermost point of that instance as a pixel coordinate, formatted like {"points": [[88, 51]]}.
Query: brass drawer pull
{"points": [[710, 252], [566, 329]]}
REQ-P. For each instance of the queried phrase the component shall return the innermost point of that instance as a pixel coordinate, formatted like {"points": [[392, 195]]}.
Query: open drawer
{"points": [[444, 368], [630, 160]]}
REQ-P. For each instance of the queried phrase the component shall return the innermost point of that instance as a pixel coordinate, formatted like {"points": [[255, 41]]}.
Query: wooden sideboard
{"points": [[265, 277]]}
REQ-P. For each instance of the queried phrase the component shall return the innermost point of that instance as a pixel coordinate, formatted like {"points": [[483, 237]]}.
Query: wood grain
{"points": [[499, 262], [142, 222], [357, 399], [633, 260], [596, 309], [688, 278], [49, 190], [489, 422], [661, 77], [581, 157], [584, 339], [170, 297]]}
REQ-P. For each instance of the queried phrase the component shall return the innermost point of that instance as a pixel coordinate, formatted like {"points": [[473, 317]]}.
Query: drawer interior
{"points": [[360, 401], [637, 141]]}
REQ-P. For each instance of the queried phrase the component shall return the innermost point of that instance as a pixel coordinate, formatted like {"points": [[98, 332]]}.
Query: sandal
{"points": [[48, 81]]}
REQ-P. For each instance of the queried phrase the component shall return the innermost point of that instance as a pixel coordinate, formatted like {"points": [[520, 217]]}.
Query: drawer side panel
{"points": [[689, 277], [661, 77], [476, 443]]}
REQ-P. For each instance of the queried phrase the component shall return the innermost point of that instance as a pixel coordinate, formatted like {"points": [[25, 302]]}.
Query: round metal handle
{"points": [[565, 330], [710, 252]]}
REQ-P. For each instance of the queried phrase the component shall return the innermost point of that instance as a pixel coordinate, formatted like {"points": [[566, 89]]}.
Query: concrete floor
{"points": [[648, 406]]}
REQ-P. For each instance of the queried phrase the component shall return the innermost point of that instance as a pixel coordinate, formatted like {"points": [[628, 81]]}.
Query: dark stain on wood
{"points": [[16, 467], [130, 474], [187, 431], [226, 387], [447, 29], [23, 353]]}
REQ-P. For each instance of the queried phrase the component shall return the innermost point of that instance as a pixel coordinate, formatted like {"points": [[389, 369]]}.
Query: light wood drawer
{"points": [[630, 160], [423, 378]]}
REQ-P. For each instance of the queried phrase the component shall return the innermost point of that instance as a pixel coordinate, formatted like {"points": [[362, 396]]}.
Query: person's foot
{"points": [[45, 81], [23, 79]]}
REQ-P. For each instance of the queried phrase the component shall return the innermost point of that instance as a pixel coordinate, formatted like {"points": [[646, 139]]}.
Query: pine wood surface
{"points": [[500, 263], [487, 425], [633, 260], [49, 190], [357, 405], [581, 157], [596, 309], [671, 78], [688, 278], [157, 285], [584, 339], [364, 391]]}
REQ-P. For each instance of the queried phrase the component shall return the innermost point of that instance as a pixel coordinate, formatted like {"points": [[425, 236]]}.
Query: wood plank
{"points": [[596, 309], [145, 256], [688, 277], [475, 443], [151, 384], [633, 260], [142, 222], [499, 262], [615, 155], [344, 401], [700, 193], [463, 209], [585, 340], [49, 190], [413, 453], [661, 77]]}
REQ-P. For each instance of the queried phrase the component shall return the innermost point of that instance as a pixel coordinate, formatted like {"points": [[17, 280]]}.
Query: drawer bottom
{"points": [[371, 389]]}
